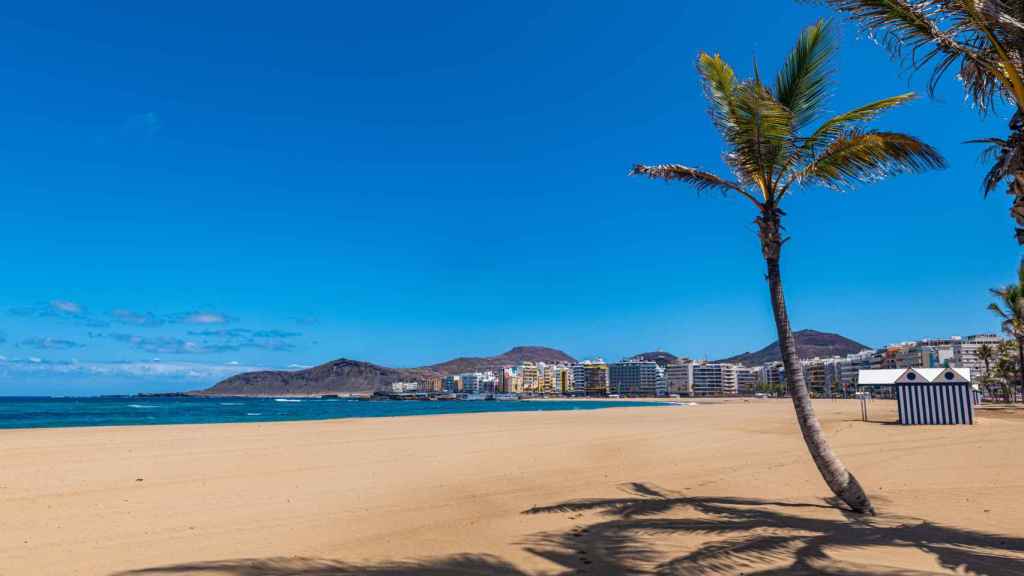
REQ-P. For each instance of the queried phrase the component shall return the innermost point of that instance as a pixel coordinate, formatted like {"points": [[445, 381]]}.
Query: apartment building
{"points": [[712, 379], [678, 379], [634, 378], [590, 379], [965, 353], [747, 380]]}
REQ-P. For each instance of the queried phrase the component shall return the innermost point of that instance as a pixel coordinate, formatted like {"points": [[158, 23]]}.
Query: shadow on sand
{"points": [[738, 535]]}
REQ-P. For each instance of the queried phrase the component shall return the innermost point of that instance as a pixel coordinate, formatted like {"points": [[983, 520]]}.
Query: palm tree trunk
{"points": [[1016, 186], [842, 483], [1020, 366], [988, 389]]}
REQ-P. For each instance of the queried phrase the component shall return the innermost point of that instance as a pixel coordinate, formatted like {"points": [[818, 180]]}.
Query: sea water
{"points": [[21, 412]]}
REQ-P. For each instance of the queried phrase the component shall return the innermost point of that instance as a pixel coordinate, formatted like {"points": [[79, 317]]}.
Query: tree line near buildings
{"points": [[1002, 379], [1007, 359]]}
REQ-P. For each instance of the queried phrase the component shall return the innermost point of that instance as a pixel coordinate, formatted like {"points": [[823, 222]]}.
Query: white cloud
{"points": [[205, 318], [67, 306], [141, 369], [48, 343]]}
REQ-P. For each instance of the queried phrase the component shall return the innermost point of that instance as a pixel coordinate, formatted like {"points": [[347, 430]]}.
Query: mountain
{"points": [[661, 358], [339, 376], [809, 344], [517, 355], [352, 376]]}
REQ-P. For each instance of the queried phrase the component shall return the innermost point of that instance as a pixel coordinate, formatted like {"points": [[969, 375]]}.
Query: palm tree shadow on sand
{"points": [[740, 536]]}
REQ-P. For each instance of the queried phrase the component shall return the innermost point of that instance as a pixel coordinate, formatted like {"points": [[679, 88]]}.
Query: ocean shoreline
{"points": [[367, 494], [133, 412]]}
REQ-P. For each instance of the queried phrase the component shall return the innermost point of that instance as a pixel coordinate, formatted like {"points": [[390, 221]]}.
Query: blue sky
{"points": [[195, 190]]}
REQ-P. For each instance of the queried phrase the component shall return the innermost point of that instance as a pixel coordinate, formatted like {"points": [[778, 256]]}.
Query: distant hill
{"points": [[352, 376], [809, 344], [660, 357], [517, 355]]}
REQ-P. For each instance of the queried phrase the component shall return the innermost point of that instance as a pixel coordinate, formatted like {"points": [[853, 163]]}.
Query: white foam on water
{"points": [[230, 403], [254, 413], [141, 406], [287, 400]]}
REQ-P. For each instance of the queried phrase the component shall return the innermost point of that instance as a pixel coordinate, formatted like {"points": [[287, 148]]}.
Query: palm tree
{"points": [[983, 40], [985, 354], [1006, 367], [1010, 309], [770, 150]]}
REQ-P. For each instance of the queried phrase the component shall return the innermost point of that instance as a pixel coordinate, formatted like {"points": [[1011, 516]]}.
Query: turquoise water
{"points": [[133, 411]]}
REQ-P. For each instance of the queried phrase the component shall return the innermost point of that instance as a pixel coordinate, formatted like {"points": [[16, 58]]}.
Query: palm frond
{"points": [[802, 84], [1009, 305], [699, 179], [719, 83], [1006, 156], [998, 311], [761, 136], [982, 37], [834, 126], [856, 157]]}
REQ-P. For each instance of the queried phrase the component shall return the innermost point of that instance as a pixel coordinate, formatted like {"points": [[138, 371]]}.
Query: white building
{"points": [[965, 352], [713, 379], [405, 387], [747, 380]]}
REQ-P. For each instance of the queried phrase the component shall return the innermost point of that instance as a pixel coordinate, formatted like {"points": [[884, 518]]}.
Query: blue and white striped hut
{"points": [[927, 395]]}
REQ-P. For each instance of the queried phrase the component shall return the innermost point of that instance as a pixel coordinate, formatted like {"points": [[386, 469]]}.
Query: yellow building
{"points": [[530, 375]]}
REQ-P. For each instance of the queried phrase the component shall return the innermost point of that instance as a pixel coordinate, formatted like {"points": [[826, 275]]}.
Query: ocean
{"points": [[21, 412]]}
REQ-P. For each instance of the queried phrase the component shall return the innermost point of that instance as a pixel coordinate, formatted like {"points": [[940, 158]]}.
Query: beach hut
{"points": [[927, 395], [976, 394]]}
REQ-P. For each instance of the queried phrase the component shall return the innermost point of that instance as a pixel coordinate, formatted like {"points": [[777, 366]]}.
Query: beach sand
{"points": [[722, 488]]}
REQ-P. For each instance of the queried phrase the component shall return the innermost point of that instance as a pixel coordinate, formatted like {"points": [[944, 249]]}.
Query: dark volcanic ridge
{"points": [[809, 344], [661, 358]]}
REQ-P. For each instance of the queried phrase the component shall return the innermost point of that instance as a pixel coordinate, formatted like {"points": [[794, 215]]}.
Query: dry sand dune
{"points": [[714, 489]]}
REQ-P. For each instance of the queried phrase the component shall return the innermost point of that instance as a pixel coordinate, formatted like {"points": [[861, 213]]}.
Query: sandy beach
{"points": [[713, 489]]}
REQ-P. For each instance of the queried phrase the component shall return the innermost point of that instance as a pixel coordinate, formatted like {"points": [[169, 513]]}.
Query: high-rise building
{"points": [[561, 379], [433, 385], [470, 383], [452, 384], [746, 380], [590, 379], [530, 375], [773, 377], [965, 353], [822, 376], [509, 381], [714, 379], [678, 378], [633, 378], [847, 369]]}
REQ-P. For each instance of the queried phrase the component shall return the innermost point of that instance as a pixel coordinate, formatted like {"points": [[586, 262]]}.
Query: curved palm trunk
{"points": [[842, 483], [1016, 187]]}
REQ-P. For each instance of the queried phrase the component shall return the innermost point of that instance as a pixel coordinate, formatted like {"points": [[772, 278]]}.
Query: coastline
{"points": [[357, 495], [35, 413]]}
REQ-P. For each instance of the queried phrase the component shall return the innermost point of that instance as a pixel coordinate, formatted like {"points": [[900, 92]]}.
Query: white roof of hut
{"points": [[889, 376]]}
